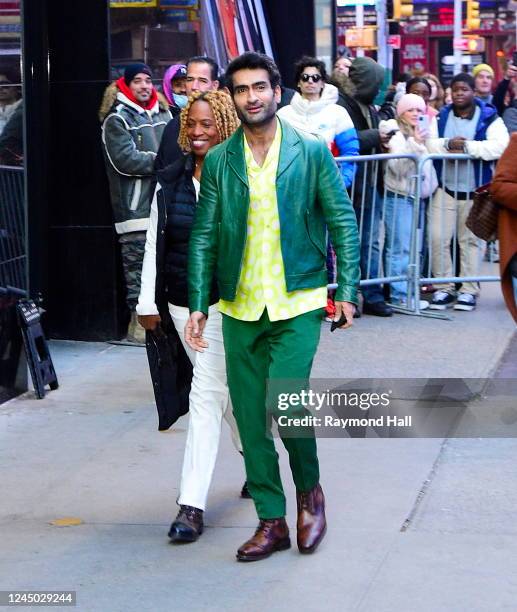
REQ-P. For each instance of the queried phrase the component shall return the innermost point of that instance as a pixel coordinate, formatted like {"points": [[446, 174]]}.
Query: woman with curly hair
{"points": [[208, 119]]}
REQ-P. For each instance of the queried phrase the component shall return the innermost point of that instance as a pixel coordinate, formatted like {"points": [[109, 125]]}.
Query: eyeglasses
{"points": [[315, 78]]}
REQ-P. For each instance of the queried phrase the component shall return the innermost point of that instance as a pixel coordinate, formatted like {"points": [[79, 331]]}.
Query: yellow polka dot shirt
{"points": [[262, 281]]}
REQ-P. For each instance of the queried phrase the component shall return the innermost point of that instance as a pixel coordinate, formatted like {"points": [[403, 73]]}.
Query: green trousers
{"points": [[255, 352]]}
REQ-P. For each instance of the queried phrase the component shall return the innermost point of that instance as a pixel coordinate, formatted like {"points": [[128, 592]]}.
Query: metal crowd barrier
{"points": [[385, 260], [452, 256], [421, 223], [13, 250]]}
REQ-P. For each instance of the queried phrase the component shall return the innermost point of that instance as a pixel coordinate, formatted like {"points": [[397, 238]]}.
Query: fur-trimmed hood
{"points": [[110, 97], [343, 83]]}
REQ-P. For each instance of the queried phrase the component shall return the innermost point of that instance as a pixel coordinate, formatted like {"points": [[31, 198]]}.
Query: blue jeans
{"points": [[514, 281], [398, 220], [370, 217]]}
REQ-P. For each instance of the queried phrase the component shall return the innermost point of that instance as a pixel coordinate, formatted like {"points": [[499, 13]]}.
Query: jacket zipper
{"points": [[136, 195]]}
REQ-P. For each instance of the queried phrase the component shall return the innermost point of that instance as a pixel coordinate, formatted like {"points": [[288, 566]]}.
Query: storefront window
{"points": [[323, 10], [161, 33], [13, 250], [157, 33]]}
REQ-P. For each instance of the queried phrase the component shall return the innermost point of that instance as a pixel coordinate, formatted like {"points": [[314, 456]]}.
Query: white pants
{"points": [[209, 401]]}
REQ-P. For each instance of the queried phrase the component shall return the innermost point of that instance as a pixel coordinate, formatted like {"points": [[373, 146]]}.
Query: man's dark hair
{"points": [[204, 59], [252, 61], [11, 75], [416, 80], [464, 77], [309, 62]]}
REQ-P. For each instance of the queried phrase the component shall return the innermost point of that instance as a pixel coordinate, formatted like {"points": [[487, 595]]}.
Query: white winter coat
{"points": [[327, 119], [322, 117], [399, 173]]}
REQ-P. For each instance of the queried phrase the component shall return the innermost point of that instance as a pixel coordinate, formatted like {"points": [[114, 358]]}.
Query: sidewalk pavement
{"points": [[425, 524]]}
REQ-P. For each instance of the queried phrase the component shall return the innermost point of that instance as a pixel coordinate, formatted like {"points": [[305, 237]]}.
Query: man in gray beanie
{"points": [[133, 116]]}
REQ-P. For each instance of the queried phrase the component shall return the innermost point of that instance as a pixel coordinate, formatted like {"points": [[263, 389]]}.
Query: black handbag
{"points": [[171, 374]]}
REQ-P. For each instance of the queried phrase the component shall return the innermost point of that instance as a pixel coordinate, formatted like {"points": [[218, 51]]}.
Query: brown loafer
{"points": [[311, 525], [271, 535]]}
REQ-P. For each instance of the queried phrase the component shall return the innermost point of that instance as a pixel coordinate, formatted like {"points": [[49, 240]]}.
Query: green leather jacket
{"points": [[310, 195]]}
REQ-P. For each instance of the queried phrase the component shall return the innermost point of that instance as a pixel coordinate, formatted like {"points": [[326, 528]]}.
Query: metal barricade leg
{"points": [[469, 249], [442, 224], [370, 245]]}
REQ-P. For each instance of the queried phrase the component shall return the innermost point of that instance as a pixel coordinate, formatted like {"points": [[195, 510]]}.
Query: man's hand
{"points": [[385, 140], [456, 144], [420, 135], [194, 331], [511, 72], [348, 309], [149, 322]]}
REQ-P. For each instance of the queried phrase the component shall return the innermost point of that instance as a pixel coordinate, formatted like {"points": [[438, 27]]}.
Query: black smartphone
{"points": [[336, 324], [514, 58]]}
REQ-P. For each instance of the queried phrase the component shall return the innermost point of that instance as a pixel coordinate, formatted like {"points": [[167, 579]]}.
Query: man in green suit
{"points": [[268, 194]]}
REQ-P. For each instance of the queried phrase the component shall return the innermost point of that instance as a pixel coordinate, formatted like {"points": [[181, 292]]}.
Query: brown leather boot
{"points": [[271, 535], [187, 526], [311, 525]]}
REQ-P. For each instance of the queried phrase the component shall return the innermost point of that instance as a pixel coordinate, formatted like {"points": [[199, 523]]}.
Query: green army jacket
{"points": [[310, 195]]}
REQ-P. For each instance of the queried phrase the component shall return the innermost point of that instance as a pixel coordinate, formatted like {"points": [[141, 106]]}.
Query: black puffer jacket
{"points": [[169, 151], [176, 201], [366, 76]]}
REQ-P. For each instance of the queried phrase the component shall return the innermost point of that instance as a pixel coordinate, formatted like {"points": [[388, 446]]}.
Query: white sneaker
{"points": [[422, 303], [465, 301]]}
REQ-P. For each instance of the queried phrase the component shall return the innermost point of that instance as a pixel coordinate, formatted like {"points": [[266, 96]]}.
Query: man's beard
{"points": [[143, 97], [263, 118]]}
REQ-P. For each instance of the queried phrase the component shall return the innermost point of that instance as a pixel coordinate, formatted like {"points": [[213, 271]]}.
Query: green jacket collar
{"points": [[289, 151]]}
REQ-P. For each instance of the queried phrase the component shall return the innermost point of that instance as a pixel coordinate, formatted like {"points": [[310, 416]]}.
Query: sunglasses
{"points": [[315, 78]]}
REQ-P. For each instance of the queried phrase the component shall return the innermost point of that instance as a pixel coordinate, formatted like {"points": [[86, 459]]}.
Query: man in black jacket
{"points": [[366, 77], [202, 75]]}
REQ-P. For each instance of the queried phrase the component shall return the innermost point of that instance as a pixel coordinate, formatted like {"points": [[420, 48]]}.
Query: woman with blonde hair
{"points": [[437, 99], [407, 137], [208, 119]]}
